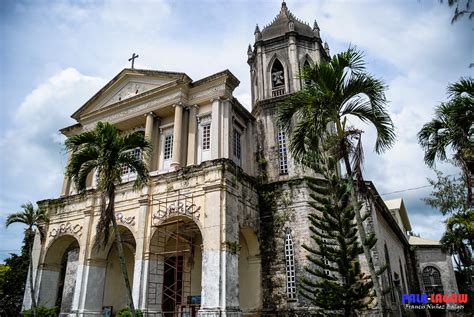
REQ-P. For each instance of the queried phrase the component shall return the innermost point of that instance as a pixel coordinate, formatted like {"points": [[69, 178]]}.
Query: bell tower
{"points": [[280, 50]]}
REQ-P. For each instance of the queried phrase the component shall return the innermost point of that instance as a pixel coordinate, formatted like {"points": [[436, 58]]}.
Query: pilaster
{"points": [[216, 148], [67, 181], [227, 128], [140, 272], [192, 135], [220, 279], [293, 67]]}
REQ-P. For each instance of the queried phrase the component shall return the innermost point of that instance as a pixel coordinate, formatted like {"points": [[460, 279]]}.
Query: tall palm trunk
{"points": [[361, 229], [32, 289], [121, 255]]}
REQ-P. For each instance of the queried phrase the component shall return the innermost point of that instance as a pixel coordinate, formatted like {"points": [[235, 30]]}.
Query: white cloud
{"points": [[412, 46], [32, 161], [430, 226]]}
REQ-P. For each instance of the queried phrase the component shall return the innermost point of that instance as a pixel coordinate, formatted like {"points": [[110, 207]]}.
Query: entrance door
{"points": [[172, 285]]}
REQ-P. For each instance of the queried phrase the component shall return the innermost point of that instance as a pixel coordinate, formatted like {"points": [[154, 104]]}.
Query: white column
{"points": [[192, 135], [177, 131], [155, 165], [150, 118], [216, 134]]}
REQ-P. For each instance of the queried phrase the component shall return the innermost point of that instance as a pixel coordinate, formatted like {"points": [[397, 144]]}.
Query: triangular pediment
{"points": [[127, 84]]}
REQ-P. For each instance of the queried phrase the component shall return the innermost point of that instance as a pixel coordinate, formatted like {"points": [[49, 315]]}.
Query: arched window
{"points": [[432, 280], [306, 65], [290, 266], [278, 79], [389, 273]]}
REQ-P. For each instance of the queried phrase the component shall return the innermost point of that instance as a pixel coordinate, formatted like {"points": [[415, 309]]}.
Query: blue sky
{"points": [[56, 54]]}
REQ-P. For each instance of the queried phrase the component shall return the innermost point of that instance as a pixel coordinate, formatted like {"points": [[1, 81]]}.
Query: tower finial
{"points": [[257, 30], [315, 26], [284, 8], [326, 48], [316, 29]]}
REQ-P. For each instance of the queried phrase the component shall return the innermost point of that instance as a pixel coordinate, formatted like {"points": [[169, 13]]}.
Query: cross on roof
{"points": [[132, 59]]}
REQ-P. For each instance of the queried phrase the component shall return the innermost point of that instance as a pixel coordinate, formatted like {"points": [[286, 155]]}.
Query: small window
{"points": [[237, 145], [282, 152], [290, 267], [168, 147], [206, 137]]}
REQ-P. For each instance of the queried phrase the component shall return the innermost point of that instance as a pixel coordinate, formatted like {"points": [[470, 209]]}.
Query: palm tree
{"points": [[107, 152], [334, 91], [453, 128], [31, 217]]}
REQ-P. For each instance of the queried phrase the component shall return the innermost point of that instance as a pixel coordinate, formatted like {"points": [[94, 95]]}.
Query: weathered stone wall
{"points": [[434, 256], [69, 280], [284, 207]]}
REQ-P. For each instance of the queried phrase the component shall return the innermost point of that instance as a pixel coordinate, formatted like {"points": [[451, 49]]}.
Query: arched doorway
{"points": [[174, 276], [115, 292], [249, 273], [58, 276]]}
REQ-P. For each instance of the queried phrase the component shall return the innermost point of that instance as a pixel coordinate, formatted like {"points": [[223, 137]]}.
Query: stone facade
{"points": [[218, 229]]}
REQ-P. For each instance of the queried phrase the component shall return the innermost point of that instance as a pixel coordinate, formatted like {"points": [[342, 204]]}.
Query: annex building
{"points": [[219, 227]]}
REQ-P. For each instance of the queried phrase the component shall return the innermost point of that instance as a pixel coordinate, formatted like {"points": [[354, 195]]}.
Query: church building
{"points": [[219, 228]]}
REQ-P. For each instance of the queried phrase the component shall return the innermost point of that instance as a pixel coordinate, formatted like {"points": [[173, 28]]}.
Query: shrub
{"points": [[126, 312], [42, 311]]}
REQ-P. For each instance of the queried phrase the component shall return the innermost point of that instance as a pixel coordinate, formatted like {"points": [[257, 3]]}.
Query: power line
{"points": [[405, 190], [413, 188]]}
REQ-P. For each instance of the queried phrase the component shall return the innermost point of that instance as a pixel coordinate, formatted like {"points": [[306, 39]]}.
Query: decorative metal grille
{"points": [[124, 170], [290, 266], [282, 152], [168, 147], [206, 137], [431, 277], [237, 145]]}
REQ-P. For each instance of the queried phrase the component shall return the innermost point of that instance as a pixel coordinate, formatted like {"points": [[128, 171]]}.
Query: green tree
{"points": [[461, 8], [32, 218], [449, 197], [107, 152], [12, 285], [452, 129], [345, 290], [335, 90]]}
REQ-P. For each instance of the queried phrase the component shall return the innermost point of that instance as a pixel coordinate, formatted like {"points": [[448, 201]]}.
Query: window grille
{"points": [[290, 266], [432, 280], [206, 137], [137, 153], [168, 147], [237, 145], [282, 152]]}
